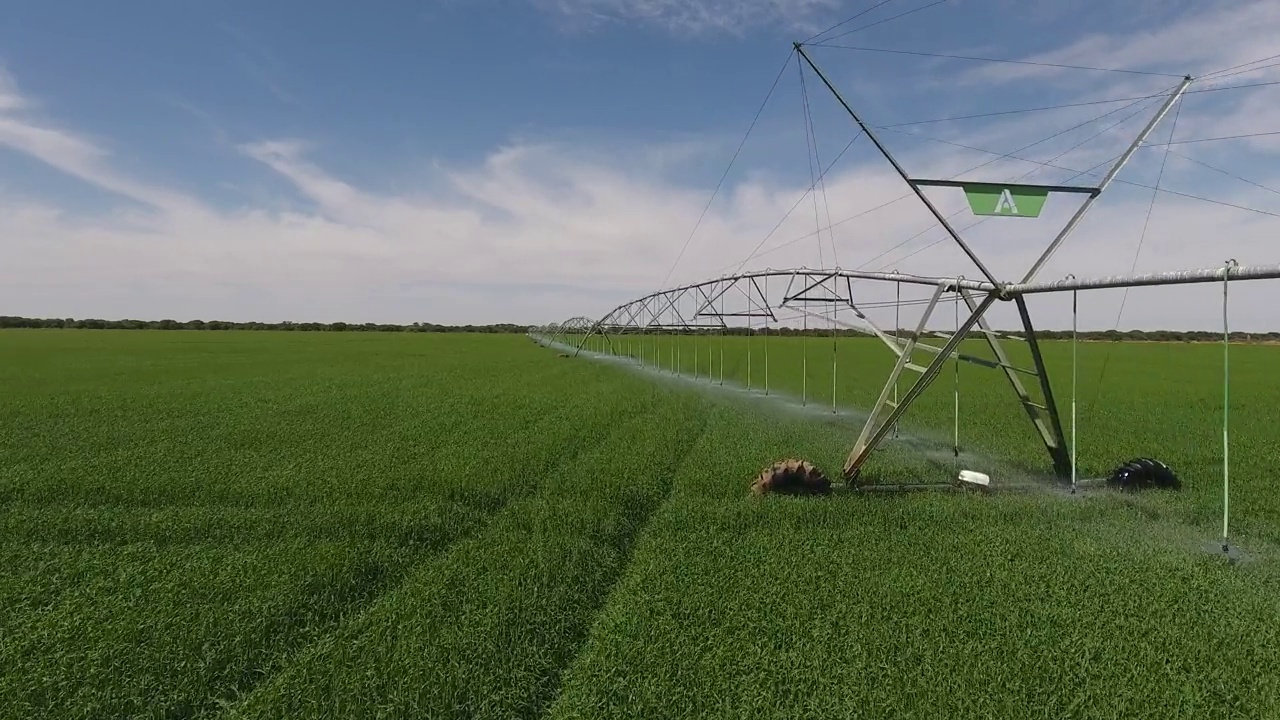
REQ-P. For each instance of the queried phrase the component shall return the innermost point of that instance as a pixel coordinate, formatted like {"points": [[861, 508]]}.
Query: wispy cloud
{"points": [[21, 130], [696, 17], [259, 63], [10, 98], [1215, 35], [1239, 31]]}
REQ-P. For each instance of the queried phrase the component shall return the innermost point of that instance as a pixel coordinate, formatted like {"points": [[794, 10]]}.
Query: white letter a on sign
{"points": [[1006, 205]]}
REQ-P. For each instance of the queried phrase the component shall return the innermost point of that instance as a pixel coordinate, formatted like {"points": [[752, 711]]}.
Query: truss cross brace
{"points": [[874, 430], [878, 425], [1044, 416]]}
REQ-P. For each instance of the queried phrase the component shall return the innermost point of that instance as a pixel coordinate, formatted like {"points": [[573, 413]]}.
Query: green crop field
{"points": [[352, 525]]}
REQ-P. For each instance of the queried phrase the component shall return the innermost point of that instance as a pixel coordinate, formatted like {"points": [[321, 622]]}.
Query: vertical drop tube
{"points": [[766, 336], [897, 335], [955, 361], [1226, 406], [834, 293], [1074, 370], [804, 362]]}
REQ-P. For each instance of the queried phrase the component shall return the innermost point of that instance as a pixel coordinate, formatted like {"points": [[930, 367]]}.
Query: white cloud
{"points": [[695, 17], [10, 98], [539, 232], [67, 151], [1214, 36], [1210, 38], [258, 63]]}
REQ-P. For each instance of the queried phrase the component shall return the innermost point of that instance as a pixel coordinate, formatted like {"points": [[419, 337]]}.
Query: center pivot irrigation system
{"points": [[772, 296]]}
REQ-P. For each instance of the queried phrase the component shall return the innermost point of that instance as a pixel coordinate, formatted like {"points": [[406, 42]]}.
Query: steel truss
{"points": [[699, 308]]}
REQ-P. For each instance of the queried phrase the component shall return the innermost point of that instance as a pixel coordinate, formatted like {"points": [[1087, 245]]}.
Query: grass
{"points": [[269, 525]]}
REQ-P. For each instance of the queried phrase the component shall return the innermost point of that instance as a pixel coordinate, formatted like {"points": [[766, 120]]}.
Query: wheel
{"points": [[791, 477], [1143, 474]]}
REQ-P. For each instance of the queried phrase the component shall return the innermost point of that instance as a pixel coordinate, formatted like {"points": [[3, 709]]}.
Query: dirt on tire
{"points": [[791, 477]]}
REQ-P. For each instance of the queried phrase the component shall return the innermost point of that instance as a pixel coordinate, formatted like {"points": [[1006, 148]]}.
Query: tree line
{"points": [[9, 321]]}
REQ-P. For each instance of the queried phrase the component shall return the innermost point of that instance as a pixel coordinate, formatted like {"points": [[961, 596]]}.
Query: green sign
{"points": [[1006, 200]]}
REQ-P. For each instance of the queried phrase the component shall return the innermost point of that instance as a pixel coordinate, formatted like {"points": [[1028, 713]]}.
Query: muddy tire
{"points": [[791, 477]]}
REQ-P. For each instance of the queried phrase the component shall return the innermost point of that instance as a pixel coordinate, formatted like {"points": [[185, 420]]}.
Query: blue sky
{"points": [[525, 160]]}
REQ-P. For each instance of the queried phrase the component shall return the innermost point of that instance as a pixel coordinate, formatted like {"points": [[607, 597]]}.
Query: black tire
{"points": [[1144, 474]]}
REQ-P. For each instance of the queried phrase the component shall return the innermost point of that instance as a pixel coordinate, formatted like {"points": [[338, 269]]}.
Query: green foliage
{"points": [[270, 525], [925, 607], [181, 519], [9, 321]]}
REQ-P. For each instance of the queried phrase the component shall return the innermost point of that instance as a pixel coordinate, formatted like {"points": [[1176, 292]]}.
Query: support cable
{"points": [[1244, 136], [1224, 172], [795, 205], [756, 253], [842, 23], [881, 22], [822, 182], [1248, 70], [1020, 178], [1124, 299], [1064, 106], [1050, 164], [809, 142], [1216, 75], [827, 44], [902, 173], [732, 160], [1150, 207], [1237, 67]]}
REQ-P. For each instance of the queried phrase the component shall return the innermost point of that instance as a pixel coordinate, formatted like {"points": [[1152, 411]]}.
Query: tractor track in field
{"points": [[382, 582], [668, 488]]}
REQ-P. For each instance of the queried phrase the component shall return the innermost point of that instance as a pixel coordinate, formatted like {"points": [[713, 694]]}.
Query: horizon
{"points": [[12, 322]]}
